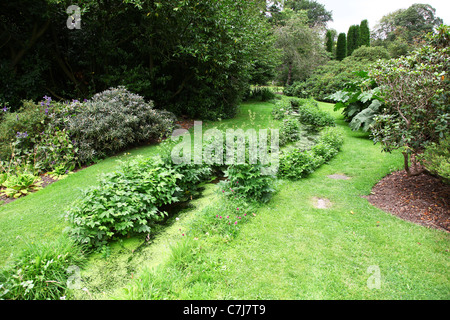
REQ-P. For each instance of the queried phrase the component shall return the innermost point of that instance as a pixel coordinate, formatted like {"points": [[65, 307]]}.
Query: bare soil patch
{"points": [[422, 199]]}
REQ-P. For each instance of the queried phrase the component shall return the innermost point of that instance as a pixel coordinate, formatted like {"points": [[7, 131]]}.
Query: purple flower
{"points": [[5, 109], [22, 135], [46, 111]]}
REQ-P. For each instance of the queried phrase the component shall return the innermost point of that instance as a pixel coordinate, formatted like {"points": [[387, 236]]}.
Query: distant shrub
{"points": [[30, 119], [333, 136], [281, 109], [310, 114], [261, 94], [297, 164], [367, 53]]}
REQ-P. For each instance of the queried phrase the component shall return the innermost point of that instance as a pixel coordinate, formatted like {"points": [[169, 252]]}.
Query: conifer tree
{"points": [[341, 50], [364, 33], [353, 41], [329, 41]]}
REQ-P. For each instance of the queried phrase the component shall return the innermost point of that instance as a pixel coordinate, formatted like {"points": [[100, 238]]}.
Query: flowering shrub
{"points": [[113, 120], [55, 152]]}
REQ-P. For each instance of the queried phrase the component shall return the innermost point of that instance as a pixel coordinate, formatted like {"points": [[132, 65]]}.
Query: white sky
{"points": [[350, 12]]}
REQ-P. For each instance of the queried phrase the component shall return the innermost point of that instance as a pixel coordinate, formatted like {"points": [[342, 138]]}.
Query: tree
{"points": [[302, 48], [318, 16], [329, 40], [416, 91], [341, 49], [364, 33], [353, 39], [410, 24], [191, 57]]}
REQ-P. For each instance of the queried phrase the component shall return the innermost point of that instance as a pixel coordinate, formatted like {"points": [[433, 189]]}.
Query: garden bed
{"points": [[421, 199]]}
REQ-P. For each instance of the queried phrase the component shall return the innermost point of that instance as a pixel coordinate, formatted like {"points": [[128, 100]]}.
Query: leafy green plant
{"points": [[41, 271], [20, 184], [297, 164], [333, 136], [55, 152], [310, 114], [125, 201], [436, 158], [360, 101], [249, 181], [417, 99], [261, 94], [289, 130]]}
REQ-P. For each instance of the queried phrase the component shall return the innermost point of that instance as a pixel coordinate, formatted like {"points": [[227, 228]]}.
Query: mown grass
{"points": [[292, 250]]}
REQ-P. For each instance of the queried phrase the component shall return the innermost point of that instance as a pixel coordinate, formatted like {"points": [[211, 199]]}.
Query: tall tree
{"points": [[329, 40], [341, 49], [407, 24], [318, 16], [353, 40], [364, 33], [302, 48]]}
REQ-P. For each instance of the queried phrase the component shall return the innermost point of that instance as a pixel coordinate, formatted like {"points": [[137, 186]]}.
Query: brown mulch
{"points": [[422, 199]]}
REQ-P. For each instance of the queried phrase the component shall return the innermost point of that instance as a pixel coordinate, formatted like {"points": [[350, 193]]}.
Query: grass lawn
{"points": [[292, 250], [288, 250]]}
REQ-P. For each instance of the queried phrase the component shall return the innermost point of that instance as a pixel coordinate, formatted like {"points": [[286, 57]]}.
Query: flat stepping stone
{"points": [[321, 203], [338, 177]]}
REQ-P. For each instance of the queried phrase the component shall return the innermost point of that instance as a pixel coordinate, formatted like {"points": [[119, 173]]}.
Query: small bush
{"points": [[112, 121], [281, 109], [324, 150], [296, 164], [310, 114], [334, 137], [289, 131], [248, 181], [261, 94], [126, 201]]}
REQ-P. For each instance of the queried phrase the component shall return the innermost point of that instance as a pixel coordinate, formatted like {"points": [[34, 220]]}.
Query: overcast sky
{"points": [[350, 12]]}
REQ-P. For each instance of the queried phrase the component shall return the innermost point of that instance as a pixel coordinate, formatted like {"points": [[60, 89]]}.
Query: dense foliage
{"points": [[416, 92], [188, 56]]}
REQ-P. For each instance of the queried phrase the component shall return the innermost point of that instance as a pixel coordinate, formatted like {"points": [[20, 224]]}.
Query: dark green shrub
{"points": [[125, 201], [28, 121], [112, 121], [341, 47]]}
